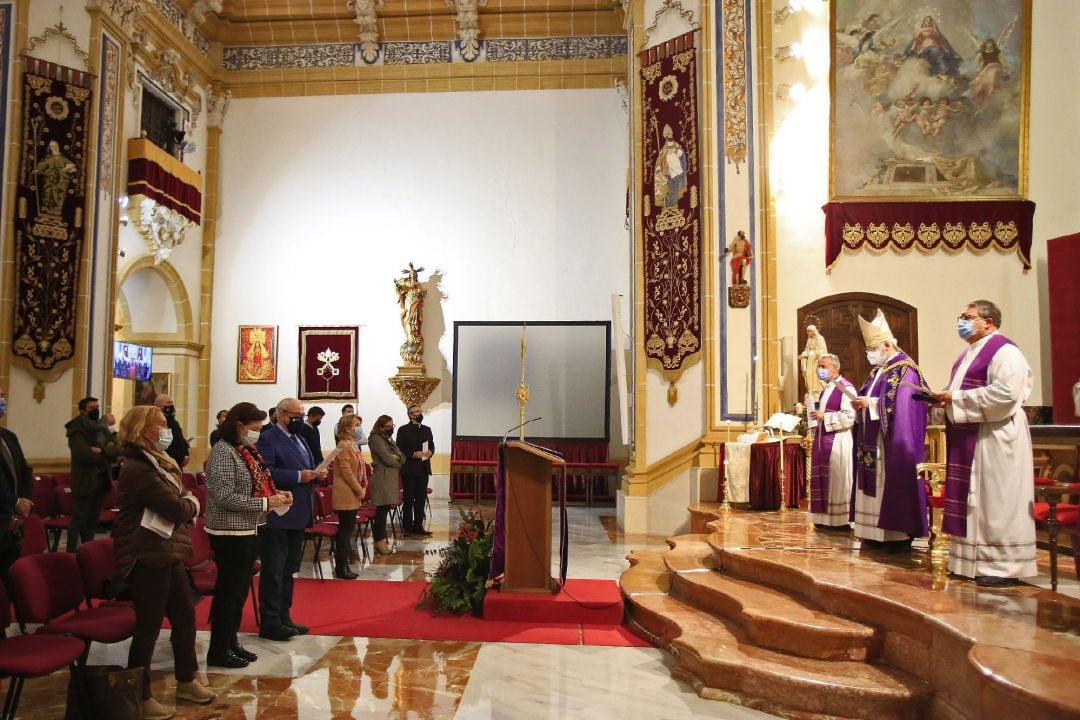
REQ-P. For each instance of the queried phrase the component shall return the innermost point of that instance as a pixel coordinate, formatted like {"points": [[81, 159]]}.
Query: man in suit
{"points": [[16, 486], [93, 451], [178, 449], [282, 538], [310, 432], [417, 444]]}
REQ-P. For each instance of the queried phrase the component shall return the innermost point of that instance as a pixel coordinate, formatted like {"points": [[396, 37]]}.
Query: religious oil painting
{"points": [[930, 101], [145, 391], [256, 360]]}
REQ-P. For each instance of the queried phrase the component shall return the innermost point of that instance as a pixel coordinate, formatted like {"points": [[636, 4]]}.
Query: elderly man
{"points": [[889, 507], [178, 449], [988, 496], [292, 467], [830, 457]]}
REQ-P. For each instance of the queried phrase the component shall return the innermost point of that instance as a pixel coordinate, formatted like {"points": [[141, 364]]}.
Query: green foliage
{"points": [[459, 583]]}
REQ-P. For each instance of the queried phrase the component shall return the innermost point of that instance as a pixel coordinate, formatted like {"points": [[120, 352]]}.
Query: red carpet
{"points": [[386, 609], [583, 602]]}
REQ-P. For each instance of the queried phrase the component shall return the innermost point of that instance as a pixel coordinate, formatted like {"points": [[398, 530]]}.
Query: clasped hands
{"points": [[307, 476], [421, 455]]}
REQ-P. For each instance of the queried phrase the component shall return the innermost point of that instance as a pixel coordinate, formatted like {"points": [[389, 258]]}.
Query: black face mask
{"points": [[389, 430], [419, 418], [295, 425], [94, 414], [169, 410], [316, 423]]}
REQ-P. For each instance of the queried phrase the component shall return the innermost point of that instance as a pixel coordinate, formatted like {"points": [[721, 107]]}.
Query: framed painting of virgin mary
{"points": [[929, 102], [256, 357]]}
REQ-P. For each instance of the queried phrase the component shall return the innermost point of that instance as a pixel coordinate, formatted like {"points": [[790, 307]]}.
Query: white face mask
{"points": [[164, 440], [876, 357], [250, 437]]}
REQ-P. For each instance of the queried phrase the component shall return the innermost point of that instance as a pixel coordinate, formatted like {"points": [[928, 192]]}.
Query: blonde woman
{"points": [[151, 541], [350, 484]]}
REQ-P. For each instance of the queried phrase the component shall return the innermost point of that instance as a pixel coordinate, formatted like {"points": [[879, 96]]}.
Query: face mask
{"points": [[876, 357], [419, 418], [822, 374], [358, 434], [250, 437], [316, 423], [389, 430], [164, 440], [965, 329], [169, 410], [3, 407], [295, 425], [94, 414]]}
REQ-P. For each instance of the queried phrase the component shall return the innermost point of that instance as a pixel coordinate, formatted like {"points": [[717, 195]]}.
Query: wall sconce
{"points": [[786, 52], [781, 15]]}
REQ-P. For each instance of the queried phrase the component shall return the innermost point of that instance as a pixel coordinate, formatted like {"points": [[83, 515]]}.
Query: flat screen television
{"points": [[131, 361]]}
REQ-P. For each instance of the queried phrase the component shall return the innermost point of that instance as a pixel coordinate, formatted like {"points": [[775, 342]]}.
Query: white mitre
{"points": [[876, 331]]}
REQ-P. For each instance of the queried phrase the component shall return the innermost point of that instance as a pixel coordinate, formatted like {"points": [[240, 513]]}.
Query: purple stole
{"points": [[961, 438], [822, 451]]}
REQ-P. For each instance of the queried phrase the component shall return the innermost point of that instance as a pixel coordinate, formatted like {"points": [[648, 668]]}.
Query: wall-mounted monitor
{"points": [[131, 361]]}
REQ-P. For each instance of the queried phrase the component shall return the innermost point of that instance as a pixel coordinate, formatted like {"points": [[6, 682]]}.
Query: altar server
{"points": [[988, 486], [889, 504], [830, 458]]}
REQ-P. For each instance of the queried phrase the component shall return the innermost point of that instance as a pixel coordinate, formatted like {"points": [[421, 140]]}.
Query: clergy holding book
{"points": [[990, 476], [830, 456]]}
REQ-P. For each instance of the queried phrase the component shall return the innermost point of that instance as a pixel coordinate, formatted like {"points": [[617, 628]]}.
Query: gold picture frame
{"points": [[256, 354]]}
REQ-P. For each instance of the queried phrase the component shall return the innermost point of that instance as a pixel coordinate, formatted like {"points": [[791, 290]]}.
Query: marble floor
{"points": [[315, 677]]}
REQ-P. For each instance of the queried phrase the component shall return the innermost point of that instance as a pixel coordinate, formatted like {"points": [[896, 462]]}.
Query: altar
{"points": [[752, 472]]}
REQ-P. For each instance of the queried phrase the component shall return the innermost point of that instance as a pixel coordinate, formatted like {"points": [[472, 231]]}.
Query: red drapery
{"points": [[1063, 269], [765, 474], [158, 175]]}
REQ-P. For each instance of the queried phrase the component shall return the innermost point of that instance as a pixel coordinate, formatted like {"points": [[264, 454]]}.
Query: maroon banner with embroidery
{"points": [[670, 213], [49, 214], [327, 366], [976, 226]]}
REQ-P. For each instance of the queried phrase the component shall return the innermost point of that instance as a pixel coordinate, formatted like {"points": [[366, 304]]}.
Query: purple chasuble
{"points": [[822, 451], [901, 424], [961, 438]]}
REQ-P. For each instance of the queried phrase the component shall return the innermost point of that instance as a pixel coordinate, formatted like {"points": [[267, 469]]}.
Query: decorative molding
{"points": [[162, 228], [217, 106], [61, 31], [196, 16], [267, 57], [125, 13], [109, 99], [734, 50], [669, 6], [434, 52], [367, 19], [466, 18], [556, 48], [412, 386]]}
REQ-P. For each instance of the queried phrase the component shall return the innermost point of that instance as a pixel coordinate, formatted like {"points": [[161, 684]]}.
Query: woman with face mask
{"points": [[151, 541], [386, 462], [350, 486]]}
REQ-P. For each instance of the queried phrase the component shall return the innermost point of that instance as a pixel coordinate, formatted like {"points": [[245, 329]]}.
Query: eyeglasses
{"points": [[968, 317], [298, 416]]}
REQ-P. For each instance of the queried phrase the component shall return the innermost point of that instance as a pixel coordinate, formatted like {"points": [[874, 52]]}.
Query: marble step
{"points": [[775, 620], [689, 552], [719, 659], [647, 573]]}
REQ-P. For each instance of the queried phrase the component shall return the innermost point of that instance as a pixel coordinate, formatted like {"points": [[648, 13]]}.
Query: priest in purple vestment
{"points": [[990, 477], [889, 503], [830, 456]]}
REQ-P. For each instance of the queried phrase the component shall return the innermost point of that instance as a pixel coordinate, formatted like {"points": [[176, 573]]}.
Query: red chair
{"points": [[1065, 515], [201, 563], [97, 561], [189, 480], [44, 502], [199, 491], [32, 656], [325, 526], [61, 480], [34, 540], [64, 503], [49, 590], [110, 507]]}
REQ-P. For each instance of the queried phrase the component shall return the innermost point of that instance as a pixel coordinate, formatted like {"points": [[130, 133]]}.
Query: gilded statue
{"points": [[812, 352], [410, 294]]}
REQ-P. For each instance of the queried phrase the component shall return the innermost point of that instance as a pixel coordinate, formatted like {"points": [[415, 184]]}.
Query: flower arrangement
{"points": [[459, 583]]}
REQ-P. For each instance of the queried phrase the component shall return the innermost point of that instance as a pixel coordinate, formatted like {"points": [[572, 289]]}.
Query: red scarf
{"points": [[262, 485]]}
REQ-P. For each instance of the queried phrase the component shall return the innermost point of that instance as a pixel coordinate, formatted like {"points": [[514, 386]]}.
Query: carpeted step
{"points": [[689, 552], [717, 657], [775, 620], [583, 602]]}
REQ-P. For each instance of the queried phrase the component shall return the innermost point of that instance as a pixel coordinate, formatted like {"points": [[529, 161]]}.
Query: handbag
{"points": [[109, 692]]}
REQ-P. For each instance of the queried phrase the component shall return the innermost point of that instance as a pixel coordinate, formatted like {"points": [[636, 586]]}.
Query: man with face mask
{"points": [[416, 443], [178, 448], [990, 474], [310, 432], [93, 451], [830, 457], [16, 487], [889, 504]]}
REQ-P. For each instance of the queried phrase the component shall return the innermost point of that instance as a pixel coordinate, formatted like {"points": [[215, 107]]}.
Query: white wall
{"points": [[514, 200]]}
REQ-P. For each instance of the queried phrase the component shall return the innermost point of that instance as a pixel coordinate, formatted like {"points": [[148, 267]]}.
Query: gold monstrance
{"points": [[522, 389]]}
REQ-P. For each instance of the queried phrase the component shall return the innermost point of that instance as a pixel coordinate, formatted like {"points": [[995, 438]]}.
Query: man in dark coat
{"points": [[417, 444], [93, 452], [16, 486], [178, 449]]}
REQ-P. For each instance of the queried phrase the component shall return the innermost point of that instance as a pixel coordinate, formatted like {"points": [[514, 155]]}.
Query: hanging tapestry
{"points": [[50, 207], [327, 363], [671, 194]]}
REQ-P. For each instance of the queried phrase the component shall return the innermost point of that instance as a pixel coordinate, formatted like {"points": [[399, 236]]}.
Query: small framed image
{"points": [[145, 391], [256, 356]]}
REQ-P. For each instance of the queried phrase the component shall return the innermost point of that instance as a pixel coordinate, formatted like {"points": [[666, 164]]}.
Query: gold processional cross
{"points": [[522, 390]]}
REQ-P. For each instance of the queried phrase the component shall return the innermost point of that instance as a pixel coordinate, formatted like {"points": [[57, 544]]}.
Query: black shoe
{"points": [[345, 575], [896, 547], [425, 533], [228, 659], [280, 632], [242, 652], [991, 581], [300, 629]]}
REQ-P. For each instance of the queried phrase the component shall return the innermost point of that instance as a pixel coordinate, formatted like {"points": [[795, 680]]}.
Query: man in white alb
{"points": [[830, 463], [990, 478]]}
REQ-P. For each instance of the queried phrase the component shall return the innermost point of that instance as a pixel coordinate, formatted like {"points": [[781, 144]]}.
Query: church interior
{"points": [[663, 218]]}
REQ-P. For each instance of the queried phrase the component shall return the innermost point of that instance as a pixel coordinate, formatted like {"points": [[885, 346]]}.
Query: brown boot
{"points": [[383, 548]]}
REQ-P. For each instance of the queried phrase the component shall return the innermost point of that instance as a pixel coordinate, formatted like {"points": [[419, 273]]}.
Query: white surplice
{"points": [[1000, 523], [840, 423]]}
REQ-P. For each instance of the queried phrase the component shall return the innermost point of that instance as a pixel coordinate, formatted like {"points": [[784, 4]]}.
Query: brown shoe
{"points": [[383, 548]]}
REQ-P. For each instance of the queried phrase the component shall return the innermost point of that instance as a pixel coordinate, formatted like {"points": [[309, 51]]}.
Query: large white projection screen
{"points": [[566, 369]]}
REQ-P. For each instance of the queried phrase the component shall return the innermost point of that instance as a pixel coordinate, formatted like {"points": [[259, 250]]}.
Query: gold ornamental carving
{"points": [[411, 384]]}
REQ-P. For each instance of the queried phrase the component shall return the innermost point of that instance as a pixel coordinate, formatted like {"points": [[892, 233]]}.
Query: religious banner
{"points": [[327, 363], [256, 354], [929, 102], [49, 215], [974, 226], [671, 193]]}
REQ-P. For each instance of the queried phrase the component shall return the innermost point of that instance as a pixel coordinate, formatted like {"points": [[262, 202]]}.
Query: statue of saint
{"points": [[741, 255], [55, 173], [812, 352], [410, 295]]}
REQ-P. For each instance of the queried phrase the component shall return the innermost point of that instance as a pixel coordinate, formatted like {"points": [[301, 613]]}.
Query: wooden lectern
{"points": [[527, 519]]}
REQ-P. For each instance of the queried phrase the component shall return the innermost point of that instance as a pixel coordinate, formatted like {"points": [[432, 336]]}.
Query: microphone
{"points": [[505, 434]]}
